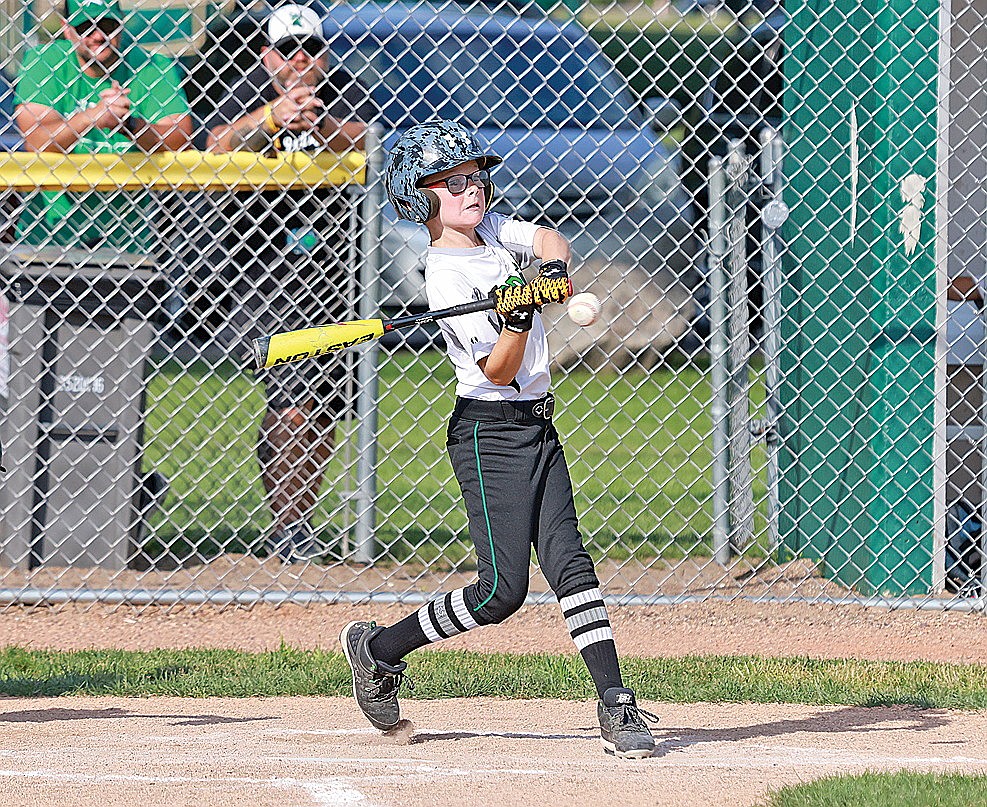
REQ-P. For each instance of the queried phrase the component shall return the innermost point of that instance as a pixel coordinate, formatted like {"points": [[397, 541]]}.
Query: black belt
{"points": [[538, 411]]}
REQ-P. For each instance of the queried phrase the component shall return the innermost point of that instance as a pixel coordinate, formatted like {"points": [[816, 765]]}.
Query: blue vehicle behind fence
{"points": [[580, 153]]}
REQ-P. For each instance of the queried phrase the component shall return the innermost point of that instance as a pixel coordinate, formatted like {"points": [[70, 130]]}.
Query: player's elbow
{"points": [[552, 245], [498, 371], [179, 136], [564, 248], [501, 379], [501, 375]]}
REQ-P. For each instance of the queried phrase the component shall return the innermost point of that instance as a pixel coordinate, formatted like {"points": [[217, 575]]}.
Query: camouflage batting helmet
{"points": [[427, 149]]}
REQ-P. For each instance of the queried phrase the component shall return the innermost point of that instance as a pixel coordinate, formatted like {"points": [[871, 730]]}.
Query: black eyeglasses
{"points": [[312, 46], [109, 27], [458, 183]]}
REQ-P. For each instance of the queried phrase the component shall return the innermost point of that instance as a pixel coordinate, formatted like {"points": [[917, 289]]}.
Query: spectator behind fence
{"points": [[287, 250], [965, 321], [86, 94]]}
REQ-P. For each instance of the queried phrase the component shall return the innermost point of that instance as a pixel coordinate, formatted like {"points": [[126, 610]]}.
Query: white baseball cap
{"points": [[293, 22]]}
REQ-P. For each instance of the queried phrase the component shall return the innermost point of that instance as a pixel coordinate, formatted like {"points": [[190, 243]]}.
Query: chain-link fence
{"points": [[781, 208]]}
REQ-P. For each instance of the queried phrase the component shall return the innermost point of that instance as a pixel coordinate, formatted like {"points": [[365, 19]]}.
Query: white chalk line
{"points": [[319, 732], [331, 792], [67, 776], [766, 756], [345, 790], [402, 767], [758, 755]]}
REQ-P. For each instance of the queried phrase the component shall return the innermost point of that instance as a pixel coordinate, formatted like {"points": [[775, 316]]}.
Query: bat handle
{"points": [[260, 347], [486, 304]]}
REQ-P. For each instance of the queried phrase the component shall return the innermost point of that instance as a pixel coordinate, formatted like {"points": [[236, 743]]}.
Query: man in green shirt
{"points": [[84, 94]]}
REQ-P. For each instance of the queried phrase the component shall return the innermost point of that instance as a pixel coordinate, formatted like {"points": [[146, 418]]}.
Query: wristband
{"points": [[269, 124], [132, 124], [520, 320], [556, 268]]}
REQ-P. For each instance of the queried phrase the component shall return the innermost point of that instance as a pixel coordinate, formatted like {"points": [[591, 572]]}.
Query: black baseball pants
{"points": [[511, 468]]}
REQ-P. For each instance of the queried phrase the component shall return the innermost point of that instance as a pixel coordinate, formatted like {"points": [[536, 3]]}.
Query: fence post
{"points": [[718, 361], [773, 216], [739, 352], [367, 371]]}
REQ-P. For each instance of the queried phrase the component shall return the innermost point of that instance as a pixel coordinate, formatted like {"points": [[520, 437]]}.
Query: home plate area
{"points": [[296, 752]]}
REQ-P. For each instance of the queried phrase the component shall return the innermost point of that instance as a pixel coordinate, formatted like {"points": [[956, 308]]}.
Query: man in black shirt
{"points": [[287, 250]]}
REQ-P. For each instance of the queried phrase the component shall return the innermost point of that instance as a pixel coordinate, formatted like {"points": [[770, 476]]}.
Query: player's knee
{"points": [[295, 418], [501, 603]]}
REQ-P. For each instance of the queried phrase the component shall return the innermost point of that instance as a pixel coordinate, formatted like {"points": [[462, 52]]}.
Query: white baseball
{"points": [[584, 308]]}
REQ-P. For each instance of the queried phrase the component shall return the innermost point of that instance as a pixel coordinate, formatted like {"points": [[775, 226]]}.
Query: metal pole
{"points": [[981, 448], [773, 216], [739, 351], [364, 547], [718, 361]]}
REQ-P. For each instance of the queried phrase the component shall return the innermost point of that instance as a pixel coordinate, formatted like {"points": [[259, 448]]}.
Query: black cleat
{"points": [[622, 727], [375, 684]]}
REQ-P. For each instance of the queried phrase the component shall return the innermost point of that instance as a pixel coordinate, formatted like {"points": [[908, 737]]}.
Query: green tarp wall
{"points": [[858, 332]]}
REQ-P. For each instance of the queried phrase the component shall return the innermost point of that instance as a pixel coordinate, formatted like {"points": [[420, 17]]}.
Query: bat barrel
{"points": [[307, 343], [259, 348]]}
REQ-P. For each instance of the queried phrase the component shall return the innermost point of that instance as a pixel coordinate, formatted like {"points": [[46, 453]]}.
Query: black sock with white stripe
{"points": [[436, 620], [589, 625]]}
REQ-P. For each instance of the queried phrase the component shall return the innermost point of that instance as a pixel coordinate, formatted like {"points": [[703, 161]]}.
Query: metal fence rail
{"points": [[779, 404]]}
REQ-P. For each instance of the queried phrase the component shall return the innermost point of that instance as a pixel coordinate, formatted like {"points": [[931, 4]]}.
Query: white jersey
{"points": [[455, 276]]}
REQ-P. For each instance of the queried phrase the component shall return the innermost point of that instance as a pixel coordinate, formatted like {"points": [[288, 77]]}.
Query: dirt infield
{"points": [[319, 752], [301, 752]]}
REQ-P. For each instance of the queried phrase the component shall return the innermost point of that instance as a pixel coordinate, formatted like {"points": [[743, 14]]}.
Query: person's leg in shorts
{"points": [[281, 291], [297, 436]]}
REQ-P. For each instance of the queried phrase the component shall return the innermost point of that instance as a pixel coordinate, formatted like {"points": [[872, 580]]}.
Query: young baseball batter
{"points": [[504, 449]]}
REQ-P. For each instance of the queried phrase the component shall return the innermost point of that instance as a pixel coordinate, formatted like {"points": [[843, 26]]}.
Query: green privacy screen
{"points": [[858, 356]]}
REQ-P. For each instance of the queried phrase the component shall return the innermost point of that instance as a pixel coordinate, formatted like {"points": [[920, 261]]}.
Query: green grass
{"points": [[448, 674], [901, 789], [452, 674], [202, 425]]}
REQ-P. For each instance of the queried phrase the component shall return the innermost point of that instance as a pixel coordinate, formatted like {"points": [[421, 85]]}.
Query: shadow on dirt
{"points": [[426, 737], [57, 714], [852, 720]]}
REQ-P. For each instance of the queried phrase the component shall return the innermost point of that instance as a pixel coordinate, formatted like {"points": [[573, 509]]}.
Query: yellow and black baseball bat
{"points": [[290, 346]]}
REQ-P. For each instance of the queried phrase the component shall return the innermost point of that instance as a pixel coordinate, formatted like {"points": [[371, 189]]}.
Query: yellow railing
{"points": [[182, 170]]}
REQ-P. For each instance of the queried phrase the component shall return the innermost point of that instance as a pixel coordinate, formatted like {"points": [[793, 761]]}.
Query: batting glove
{"points": [[550, 289], [510, 298], [520, 319], [515, 307]]}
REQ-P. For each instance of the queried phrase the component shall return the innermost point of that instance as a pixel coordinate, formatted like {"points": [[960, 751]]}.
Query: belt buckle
{"points": [[544, 408]]}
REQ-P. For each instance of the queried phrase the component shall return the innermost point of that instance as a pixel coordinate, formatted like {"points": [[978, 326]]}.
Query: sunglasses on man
{"points": [[458, 183], [107, 26], [312, 47]]}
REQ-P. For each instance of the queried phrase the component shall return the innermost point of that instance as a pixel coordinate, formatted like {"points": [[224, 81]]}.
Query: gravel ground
{"points": [[712, 627]]}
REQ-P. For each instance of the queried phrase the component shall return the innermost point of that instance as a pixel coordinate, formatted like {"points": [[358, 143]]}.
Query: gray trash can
{"points": [[80, 332]]}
